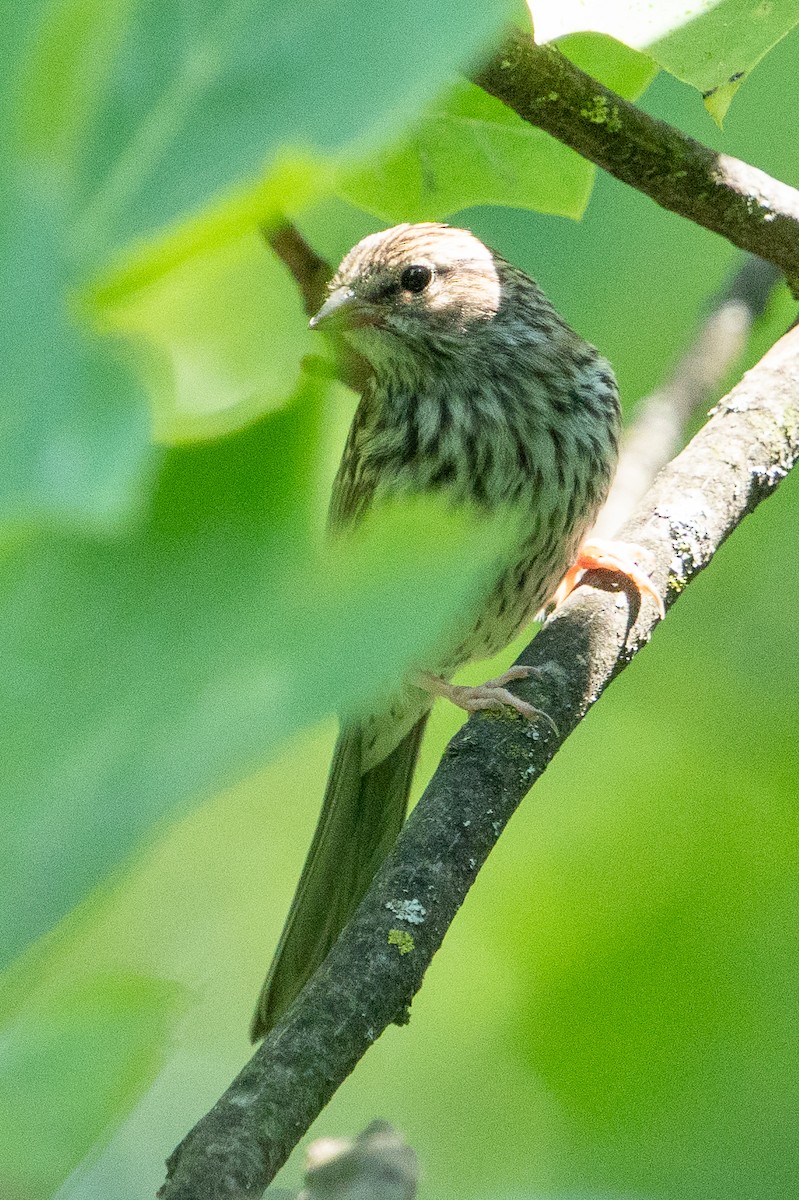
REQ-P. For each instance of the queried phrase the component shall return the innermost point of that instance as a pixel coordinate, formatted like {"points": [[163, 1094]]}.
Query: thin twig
{"points": [[659, 424], [310, 271], [311, 274], [753, 211], [377, 965]]}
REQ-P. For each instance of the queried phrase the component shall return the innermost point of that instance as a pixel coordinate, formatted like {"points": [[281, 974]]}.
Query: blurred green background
{"points": [[613, 1014]]}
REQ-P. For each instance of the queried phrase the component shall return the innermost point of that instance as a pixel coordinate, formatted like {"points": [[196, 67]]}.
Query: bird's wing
{"points": [[351, 496], [355, 484]]}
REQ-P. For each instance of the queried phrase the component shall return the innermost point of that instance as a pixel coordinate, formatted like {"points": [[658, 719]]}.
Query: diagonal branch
{"points": [[660, 420], [730, 197], [751, 209], [378, 963], [311, 272]]}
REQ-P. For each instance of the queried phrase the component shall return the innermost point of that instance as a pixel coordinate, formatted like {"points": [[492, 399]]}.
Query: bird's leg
{"points": [[608, 556], [493, 694]]}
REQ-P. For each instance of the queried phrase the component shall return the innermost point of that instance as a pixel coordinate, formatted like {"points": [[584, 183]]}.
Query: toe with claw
{"points": [[493, 694], [619, 557]]}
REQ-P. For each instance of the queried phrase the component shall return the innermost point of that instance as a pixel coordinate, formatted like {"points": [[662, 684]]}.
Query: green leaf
{"points": [[64, 78], [717, 51], [74, 446], [711, 44], [619, 67], [221, 337], [470, 149], [140, 674], [73, 1062], [222, 90]]}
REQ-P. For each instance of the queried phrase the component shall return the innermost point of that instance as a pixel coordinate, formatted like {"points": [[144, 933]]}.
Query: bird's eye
{"points": [[415, 278]]}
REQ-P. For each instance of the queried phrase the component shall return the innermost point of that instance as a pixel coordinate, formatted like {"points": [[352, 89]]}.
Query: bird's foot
{"points": [[493, 694], [604, 555]]}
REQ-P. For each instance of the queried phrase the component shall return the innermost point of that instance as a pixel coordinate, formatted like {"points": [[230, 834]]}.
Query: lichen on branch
{"points": [[742, 203]]}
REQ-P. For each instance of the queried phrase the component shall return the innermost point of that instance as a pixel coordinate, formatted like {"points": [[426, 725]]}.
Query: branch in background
{"points": [[660, 421], [310, 272], [377, 965], [753, 211]]}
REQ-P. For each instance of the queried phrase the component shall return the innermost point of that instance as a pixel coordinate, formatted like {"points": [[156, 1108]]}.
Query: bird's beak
{"points": [[336, 301]]}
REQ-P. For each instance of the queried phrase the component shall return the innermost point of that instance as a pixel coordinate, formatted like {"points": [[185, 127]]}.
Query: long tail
{"points": [[361, 817]]}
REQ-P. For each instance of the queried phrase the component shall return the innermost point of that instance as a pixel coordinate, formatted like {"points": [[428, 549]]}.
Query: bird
{"points": [[475, 388]]}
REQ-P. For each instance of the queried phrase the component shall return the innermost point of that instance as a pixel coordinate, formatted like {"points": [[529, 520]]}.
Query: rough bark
{"points": [[722, 193]]}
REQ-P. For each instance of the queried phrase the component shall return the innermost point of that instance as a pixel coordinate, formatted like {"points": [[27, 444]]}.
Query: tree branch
{"points": [[310, 271], [660, 420], [311, 274], [377, 965], [730, 197]]}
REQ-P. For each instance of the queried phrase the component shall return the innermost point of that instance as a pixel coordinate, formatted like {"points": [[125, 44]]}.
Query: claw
{"points": [[492, 694]]}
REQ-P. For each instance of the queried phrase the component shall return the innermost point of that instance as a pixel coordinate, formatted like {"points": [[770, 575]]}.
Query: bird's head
{"points": [[426, 287]]}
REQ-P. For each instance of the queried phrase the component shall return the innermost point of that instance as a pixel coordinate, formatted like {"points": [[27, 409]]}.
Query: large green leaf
{"points": [[74, 444], [142, 673], [220, 338], [122, 118], [611, 61], [471, 149], [715, 52], [711, 44], [72, 1063], [221, 89]]}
